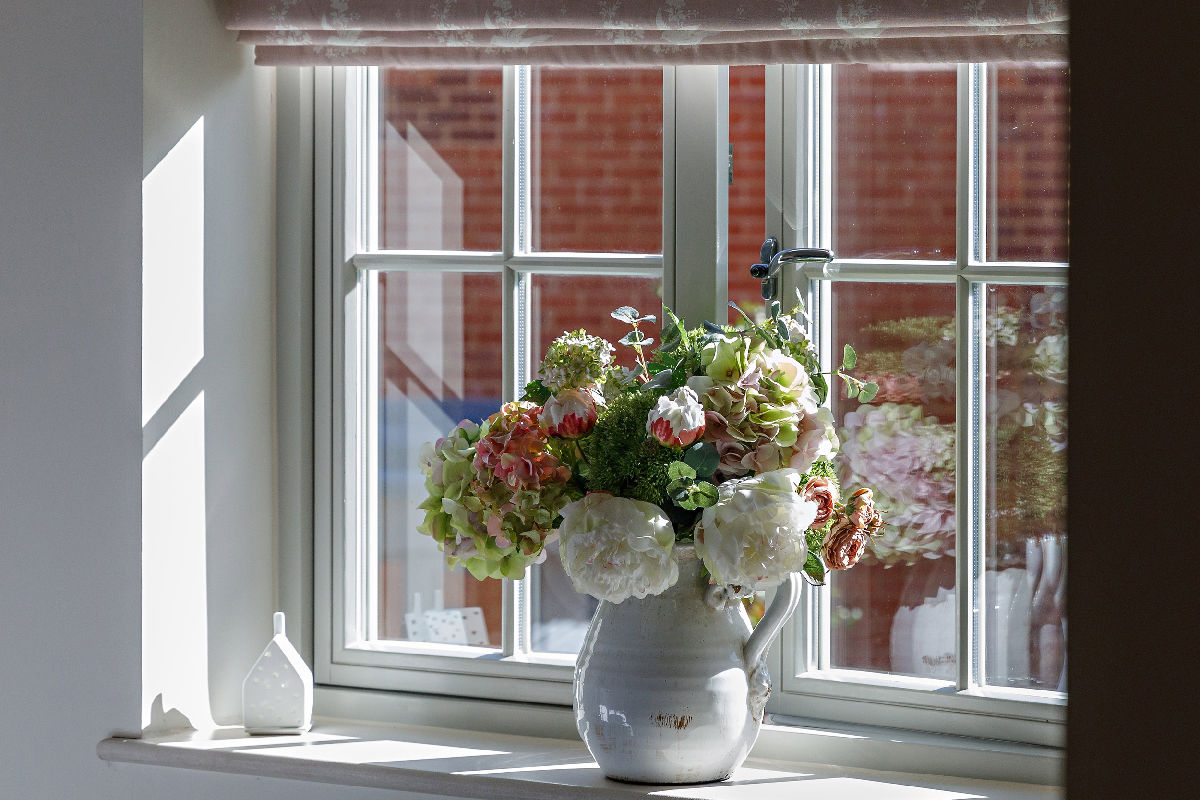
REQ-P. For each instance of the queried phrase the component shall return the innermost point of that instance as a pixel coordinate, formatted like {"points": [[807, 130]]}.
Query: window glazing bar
{"points": [[970, 411]]}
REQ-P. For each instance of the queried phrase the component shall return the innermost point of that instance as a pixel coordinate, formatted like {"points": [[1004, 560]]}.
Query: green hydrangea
{"points": [[575, 360]]}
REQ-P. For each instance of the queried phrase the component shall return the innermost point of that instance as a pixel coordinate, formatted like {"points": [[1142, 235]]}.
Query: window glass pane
{"points": [[568, 303], [1026, 465], [747, 193], [440, 171], [597, 155], [895, 610], [894, 163], [435, 369], [1027, 208]]}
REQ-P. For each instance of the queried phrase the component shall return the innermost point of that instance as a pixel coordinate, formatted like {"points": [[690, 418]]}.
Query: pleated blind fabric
{"points": [[647, 32]]}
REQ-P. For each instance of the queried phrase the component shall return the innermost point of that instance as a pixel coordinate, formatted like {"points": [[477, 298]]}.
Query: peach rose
{"points": [[844, 545], [823, 492]]}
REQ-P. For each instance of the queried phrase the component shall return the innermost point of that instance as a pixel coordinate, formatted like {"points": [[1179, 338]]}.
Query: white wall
{"points": [[82, 461], [70, 128]]}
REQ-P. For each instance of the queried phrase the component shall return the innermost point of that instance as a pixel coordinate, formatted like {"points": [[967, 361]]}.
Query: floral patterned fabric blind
{"points": [[641, 32]]}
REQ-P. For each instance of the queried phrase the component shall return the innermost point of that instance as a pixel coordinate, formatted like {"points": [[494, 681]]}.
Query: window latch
{"points": [[771, 258]]}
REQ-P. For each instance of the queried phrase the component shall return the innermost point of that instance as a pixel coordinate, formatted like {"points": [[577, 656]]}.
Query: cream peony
{"points": [[615, 547], [754, 535]]}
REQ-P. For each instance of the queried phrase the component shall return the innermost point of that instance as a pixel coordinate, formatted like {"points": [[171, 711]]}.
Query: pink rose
{"points": [[823, 492], [844, 545], [677, 419], [570, 414]]}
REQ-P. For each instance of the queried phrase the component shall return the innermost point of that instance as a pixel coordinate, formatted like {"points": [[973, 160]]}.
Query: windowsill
{"points": [[451, 762]]}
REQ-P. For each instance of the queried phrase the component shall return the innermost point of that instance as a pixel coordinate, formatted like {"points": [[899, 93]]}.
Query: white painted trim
{"points": [[294, 357], [697, 284], [820, 760]]}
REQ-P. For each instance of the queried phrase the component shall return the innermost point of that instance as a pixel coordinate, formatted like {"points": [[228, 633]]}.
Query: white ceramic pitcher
{"points": [[671, 688]]}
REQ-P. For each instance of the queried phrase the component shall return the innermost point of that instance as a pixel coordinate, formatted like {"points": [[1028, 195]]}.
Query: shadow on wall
{"points": [[207, 366]]}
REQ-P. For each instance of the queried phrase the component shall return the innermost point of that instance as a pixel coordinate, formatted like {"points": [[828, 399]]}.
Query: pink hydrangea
{"points": [[514, 449]]}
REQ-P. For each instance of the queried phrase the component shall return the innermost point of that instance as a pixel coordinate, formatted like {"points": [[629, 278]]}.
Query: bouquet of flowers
{"points": [[716, 437]]}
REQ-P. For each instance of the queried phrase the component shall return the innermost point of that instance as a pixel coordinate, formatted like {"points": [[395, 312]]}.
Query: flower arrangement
{"points": [[717, 437]]}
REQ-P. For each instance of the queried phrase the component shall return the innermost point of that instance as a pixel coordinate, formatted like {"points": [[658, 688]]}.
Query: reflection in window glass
{"points": [[568, 303], [436, 368], [440, 167], [1027, 209], [894, 163], [1026, 456], [895, 611], [598, 160]]}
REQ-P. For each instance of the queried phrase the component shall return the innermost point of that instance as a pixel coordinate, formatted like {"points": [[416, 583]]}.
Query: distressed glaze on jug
{"points": [[671, 688]]}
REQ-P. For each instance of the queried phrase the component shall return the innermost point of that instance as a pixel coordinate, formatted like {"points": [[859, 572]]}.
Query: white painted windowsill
{"points": [[474, 764]]}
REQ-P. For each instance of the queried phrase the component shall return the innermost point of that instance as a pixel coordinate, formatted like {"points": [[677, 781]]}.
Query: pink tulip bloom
{"points": [[677, 419], [569, 414]]}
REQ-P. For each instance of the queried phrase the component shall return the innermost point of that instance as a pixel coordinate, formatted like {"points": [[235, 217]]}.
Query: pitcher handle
{"points": [[787, 597]]}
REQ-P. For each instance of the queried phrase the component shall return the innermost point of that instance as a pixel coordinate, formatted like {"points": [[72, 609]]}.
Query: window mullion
{"points": [[970, 411]]}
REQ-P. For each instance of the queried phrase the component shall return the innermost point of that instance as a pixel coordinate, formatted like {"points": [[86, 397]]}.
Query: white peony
{"points": [[754, 535], [614, 547]]}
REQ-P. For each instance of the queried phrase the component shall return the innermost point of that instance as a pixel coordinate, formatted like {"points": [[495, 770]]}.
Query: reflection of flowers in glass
{"points": [[1050, 358], [754, 535], [615, 547], [933, 366], [908, 458], [1048, 308], [1051, 417]]}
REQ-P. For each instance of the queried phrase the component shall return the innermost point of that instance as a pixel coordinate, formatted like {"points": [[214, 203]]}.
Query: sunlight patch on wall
{"points": [[172, 270]]}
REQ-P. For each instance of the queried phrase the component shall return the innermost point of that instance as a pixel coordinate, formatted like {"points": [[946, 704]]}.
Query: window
{"points": [[473, 215]]}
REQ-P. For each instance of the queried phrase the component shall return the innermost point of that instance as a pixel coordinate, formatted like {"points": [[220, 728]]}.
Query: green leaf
{"points": [[686, 502], [703, 458], [775, 309], [633, 337], [661, 380], [647, 318], [670, 340], [814, 568], [704, 494], [679, 469], [625, 314], [536, 392], [849, 358], [868, 392], [784, 333], [712, 327], [822, 388]]}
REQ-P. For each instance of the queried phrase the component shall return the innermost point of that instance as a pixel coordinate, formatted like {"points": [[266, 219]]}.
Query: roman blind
{"points": [[643, 32]]}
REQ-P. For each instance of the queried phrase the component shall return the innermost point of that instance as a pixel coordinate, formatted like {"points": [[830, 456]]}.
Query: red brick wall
{"points": [[598, 178]]}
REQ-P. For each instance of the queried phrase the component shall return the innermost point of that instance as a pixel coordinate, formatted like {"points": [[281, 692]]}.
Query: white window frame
{"points": [[799, 145]]}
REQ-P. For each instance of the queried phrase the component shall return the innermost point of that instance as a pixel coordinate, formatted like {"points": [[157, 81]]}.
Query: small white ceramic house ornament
{"points": [[277, 695]]}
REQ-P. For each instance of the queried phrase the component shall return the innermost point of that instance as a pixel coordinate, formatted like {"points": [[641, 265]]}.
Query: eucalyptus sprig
{"points": [[636, 338]]}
